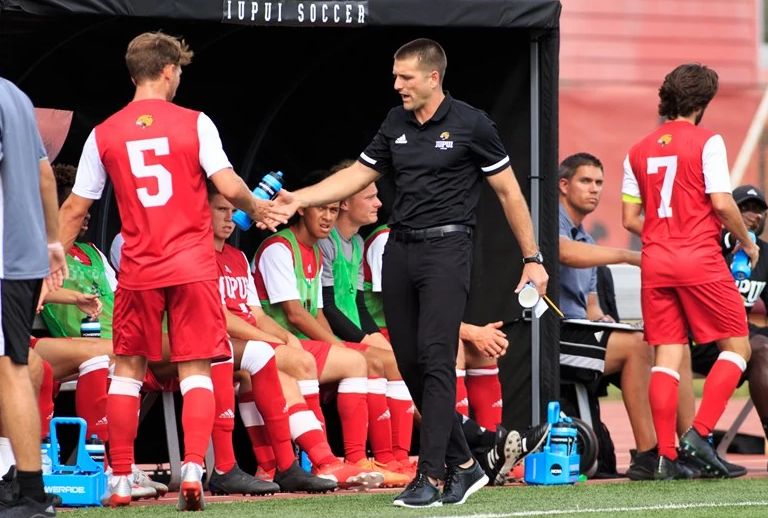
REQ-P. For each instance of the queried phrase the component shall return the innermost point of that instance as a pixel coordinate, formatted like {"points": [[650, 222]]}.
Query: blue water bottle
{"points": [[740, 265], [267, 189]]}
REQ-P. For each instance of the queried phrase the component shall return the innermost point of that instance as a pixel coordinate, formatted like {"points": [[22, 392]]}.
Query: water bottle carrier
{"points": [[80, 484], [558, 462]]}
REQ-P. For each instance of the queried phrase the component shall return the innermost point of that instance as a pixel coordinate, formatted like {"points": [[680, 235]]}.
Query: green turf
{"points": [[742, 497]]}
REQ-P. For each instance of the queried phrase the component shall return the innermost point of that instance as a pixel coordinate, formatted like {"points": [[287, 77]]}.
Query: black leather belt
{"points": [[409, 236]]}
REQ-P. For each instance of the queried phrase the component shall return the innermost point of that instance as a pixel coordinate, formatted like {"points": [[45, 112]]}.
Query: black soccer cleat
{"points": [[700, 452], [667, 469], [237, 481], [295, 479]]}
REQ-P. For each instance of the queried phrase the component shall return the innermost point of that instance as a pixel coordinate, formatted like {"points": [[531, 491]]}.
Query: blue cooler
{"points": [[81, 484], [558, 462]]}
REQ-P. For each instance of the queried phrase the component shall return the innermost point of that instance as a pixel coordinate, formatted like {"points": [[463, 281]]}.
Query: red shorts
{"points": [[196, 326], [319, 350], [152, 384], [385, 332], [33, 341], [712, 311]]}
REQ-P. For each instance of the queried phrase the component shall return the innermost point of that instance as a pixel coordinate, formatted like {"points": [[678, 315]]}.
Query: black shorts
{"points": [[582, 353], [18, 303]]}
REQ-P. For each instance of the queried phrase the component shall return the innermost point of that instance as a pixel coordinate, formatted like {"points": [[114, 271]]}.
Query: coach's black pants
{"points": [[425, 286]]}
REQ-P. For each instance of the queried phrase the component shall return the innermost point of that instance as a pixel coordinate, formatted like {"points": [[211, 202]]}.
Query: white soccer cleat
{"points": [[142, 480], [191, 497]]}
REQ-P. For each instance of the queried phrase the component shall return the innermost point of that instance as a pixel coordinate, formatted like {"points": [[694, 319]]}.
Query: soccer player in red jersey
{"points": [[157, 156], [677, 195]]}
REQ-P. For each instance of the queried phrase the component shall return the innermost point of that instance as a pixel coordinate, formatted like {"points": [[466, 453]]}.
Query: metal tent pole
{"points": [[535, 207]]}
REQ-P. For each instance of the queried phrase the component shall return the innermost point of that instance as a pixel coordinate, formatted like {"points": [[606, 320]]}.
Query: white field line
{"points": [[664, 507]]}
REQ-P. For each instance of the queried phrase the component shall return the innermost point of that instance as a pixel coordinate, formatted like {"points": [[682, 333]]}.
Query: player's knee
{"points": [[306, 368], [355, 365], [375, 366], [644, 351]]}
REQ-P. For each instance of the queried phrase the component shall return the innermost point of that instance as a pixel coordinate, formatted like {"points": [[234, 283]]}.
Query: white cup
{"points": [[528, 296]]}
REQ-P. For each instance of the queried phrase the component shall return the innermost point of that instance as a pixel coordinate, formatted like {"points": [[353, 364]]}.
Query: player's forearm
{"points": [[62, 296], [339, 186], [268, 325], [515, 209], [239, 328], [632, 217], [467, 332], [730, 217], [71, 217], [519, 220], [50, 201], [585, 255], [302, 320]]}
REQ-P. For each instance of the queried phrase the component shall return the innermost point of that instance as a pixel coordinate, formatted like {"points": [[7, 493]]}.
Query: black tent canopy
{"points": [[297, 100]]}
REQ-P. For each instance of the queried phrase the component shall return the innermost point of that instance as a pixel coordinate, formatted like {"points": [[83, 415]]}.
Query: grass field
{"points": [[702, 498]]}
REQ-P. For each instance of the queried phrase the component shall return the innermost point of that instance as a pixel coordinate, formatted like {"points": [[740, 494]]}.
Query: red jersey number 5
{"points": [[159, 146]]}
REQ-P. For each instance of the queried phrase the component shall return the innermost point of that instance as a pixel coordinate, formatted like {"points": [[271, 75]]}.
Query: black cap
{"points": [[745, 193]]}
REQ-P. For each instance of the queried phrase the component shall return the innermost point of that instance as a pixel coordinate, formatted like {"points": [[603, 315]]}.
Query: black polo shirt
{"points": [[438, 165]]}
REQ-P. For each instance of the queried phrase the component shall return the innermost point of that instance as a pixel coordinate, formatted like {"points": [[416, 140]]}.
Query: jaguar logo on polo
{"points": [[444, 143], [145, 121]]}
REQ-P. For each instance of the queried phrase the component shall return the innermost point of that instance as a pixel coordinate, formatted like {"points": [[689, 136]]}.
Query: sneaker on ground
{"points": [[119, 491], [141, 479], [419, 493], [9, 488], [237, 481], [643, 465], [26, 507], [700, 452], [295, 479], [191, 496], [667, 469], [392, 477], [461, 483], [349, 476]]}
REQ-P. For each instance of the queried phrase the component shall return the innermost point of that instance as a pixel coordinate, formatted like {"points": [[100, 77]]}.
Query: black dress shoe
{"points": [[460, 483], [420, 492]]}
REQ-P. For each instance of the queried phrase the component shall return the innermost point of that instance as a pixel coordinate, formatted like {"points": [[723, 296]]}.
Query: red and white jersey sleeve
{"points": [[373, 256], [277, 270], [672, 171], [157, 156]]}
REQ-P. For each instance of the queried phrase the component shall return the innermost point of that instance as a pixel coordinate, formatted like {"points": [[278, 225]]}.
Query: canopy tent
{"points": [[296, 100]]}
